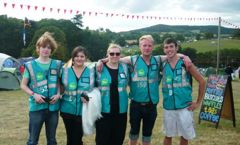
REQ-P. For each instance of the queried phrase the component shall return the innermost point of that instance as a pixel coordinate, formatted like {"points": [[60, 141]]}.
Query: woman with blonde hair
{"points": [[112, 83]]}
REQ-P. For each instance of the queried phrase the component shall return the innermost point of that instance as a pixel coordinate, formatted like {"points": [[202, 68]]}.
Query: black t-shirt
{"points": [[114, 94]]}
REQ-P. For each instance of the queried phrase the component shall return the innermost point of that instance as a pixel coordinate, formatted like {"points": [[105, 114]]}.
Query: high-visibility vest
{"points": [[104, 81], [43, 83], [73, 88], [145, 79], [176, 86]]}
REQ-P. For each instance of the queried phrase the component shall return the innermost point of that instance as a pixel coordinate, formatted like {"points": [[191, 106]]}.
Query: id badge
{"points": [[170, 92], [122, 76]]}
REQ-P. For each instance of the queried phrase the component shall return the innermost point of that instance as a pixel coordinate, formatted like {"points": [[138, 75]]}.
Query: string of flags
{"points": [[110, 14]]}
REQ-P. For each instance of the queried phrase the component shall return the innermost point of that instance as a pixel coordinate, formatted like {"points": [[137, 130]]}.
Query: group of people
{"points": [[53, 87]]}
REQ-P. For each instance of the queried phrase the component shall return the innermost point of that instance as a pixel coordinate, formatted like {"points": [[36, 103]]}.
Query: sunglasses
{"points": [[116, 54]]}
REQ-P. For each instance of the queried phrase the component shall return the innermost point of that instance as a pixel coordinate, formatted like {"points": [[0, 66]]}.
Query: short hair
{"points": [[46, 39], [170, 40], [148, 37]]}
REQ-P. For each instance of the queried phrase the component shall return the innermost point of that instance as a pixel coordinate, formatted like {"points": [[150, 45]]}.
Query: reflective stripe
{"points": [[178, 85], [139, 79], [44, 82], [32, 75], [153, 80], [73, 93], [91, 77], [120, 89], [52, 85], [104, 88], [65, 79], [158, 59]]}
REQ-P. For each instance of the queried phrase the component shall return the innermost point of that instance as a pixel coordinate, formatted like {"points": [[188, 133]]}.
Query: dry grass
{"points": [[14, 124]]}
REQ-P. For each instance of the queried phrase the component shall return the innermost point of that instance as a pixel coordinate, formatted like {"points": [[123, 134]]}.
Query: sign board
{"points": [[218, 100]]}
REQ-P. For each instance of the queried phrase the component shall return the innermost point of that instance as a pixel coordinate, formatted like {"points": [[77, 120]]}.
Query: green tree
{"points": [[208, 35], [77, 20], [236, 34]]}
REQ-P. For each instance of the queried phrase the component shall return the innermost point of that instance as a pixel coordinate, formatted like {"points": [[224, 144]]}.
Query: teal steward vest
{"points": [[104, 82], [43, 83], [145, 79], [176, 86], [73, 88]]}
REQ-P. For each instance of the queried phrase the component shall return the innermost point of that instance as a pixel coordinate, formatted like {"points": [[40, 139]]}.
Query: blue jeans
{"points": [[37, 118]]}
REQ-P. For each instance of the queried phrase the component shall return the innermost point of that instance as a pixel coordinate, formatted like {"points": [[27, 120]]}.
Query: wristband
{"points": [[32, 93]]}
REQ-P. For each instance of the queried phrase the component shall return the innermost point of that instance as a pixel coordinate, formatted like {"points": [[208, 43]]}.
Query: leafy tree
{"points": [[156, 38], [121, 41], [77, 20], [236, 34], [208, 35], [191, 53]]}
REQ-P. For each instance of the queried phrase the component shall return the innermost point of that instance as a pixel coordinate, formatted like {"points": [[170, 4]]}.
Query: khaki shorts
{"points": [[178, 123]]}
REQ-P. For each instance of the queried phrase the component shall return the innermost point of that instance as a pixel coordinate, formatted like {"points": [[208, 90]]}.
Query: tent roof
{"points": [[3, 57]]}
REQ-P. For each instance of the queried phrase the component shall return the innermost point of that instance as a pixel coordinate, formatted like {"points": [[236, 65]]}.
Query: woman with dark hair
{"points": [[76, 80]]}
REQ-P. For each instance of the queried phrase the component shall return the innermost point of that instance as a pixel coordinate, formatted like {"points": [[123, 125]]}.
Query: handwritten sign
{"points": [[215, 95]]}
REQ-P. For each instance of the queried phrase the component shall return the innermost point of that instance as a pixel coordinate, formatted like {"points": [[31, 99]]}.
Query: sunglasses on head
{"points": [[112, 53]]}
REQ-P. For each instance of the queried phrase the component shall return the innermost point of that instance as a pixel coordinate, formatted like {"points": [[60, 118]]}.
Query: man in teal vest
{"points": [[40, 82], [177, 99], [144, 89]]}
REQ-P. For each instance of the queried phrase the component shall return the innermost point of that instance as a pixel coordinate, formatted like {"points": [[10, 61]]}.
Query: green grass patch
{"points": [[211, 45], [14, 124]]}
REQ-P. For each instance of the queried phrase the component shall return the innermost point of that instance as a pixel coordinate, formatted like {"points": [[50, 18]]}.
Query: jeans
{"points": [[37, 118], [145, 113]]}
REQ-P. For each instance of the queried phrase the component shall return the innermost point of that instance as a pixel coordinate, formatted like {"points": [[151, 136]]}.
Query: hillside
{"points": [[184, 29], [211, 45]]}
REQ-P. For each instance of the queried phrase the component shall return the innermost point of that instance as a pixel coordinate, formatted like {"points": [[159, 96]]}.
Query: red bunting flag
{"points": [[43, 9], [77, 12], [5, 4], [13, 5], [28, 7], [36, 7], [21, 6], [96, 13], [51, 9], [65, 11], [71, 11], [58, 10]]}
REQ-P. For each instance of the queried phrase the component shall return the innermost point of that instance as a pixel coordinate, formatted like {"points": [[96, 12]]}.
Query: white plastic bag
{"points": [[91, 111]]}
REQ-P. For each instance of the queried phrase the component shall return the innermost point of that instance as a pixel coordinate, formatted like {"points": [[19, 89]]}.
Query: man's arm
{"points": [[198, 77], [100, 62]]}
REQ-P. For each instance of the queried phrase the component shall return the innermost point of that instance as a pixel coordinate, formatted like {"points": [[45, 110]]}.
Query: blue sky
{"points": [[228, 10]]}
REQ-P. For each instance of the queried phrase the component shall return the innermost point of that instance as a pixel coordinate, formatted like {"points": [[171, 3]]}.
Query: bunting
{"points": [[110, 14]]}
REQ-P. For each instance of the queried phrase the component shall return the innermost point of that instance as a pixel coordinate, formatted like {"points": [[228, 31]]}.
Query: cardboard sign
{"points": [[218, 100]]}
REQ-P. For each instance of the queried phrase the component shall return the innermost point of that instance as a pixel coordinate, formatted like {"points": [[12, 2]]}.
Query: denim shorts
{"points": [[142, 111]]}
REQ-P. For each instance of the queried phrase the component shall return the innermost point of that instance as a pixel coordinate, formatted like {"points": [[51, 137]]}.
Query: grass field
{"points": [[211, 45], [14, 124]]}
